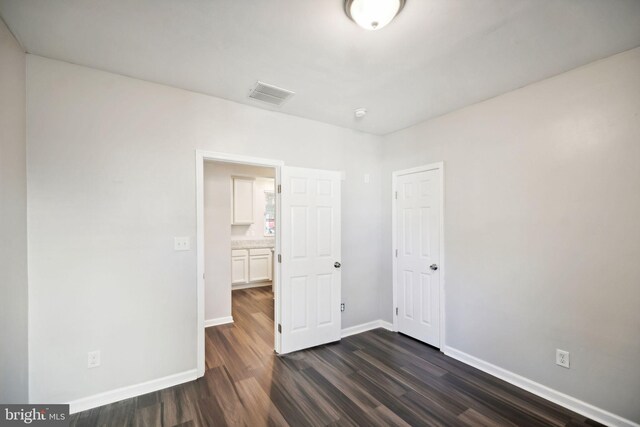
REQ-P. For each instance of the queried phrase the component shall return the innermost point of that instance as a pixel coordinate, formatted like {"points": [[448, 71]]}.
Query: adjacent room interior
{"points": [[348, 212], [240, 236]]}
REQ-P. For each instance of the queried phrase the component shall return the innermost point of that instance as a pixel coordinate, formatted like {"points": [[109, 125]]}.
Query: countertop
{"points": [[253, 244]]}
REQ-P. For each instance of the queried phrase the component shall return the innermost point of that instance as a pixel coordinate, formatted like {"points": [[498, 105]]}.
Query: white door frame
{"points": [[201, 157], [394, 227]]}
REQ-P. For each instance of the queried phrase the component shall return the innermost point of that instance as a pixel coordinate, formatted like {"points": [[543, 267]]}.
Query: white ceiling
{"points": [[437, 56]]}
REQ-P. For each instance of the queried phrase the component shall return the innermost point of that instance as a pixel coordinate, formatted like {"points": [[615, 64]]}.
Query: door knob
{"points": [[337, 264], [434, 267]]}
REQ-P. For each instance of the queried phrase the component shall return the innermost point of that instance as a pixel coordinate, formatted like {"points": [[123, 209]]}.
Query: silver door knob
{"points": [[434, 267], [337, 264]]}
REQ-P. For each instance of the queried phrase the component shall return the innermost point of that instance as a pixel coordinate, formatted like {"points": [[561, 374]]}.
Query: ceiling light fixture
{"points": [[372, 14]]}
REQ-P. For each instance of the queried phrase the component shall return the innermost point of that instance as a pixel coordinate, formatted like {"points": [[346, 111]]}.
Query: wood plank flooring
{"points": [[377, 378]]}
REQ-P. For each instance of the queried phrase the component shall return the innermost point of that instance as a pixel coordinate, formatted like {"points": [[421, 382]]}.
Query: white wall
{"points": [[217, 229], [111, 182], [13, 222], [255, 230], [542, 228]]}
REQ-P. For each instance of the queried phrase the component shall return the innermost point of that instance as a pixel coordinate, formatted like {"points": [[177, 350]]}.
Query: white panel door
{"points": [[311, 279], [418, 257]]}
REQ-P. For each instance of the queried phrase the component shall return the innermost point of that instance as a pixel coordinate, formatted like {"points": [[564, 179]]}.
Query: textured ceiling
{"points": [[437, 56]]}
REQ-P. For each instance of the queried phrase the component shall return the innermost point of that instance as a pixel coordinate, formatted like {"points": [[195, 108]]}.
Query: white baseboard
{"points": [[364, 327], [218, 321], [571, 403], [116, 395], [251, 285], [386, 325], [127, 392]]}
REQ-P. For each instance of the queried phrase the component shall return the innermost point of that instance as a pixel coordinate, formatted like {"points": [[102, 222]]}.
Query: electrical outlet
{"points": [[93, 359], [562, 358], [342, 307], [181, 244]]}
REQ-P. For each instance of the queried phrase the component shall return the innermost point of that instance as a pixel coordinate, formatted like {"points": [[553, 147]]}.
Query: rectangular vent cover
{"points": [[270, 94]]}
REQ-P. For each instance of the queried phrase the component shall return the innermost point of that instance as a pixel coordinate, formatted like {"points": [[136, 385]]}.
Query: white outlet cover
{"points": [[181, 244], [562, 358], [93, 359]]}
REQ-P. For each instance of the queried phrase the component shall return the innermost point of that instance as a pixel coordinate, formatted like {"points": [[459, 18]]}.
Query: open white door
{"points": [[311, 279]]}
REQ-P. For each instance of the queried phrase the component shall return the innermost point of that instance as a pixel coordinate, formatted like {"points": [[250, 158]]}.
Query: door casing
{"points": [[394, 227]]}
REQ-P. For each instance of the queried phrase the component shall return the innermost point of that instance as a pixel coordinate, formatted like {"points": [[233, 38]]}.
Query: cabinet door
{"points": [[259, 267], [240, 268], [242, 201]]}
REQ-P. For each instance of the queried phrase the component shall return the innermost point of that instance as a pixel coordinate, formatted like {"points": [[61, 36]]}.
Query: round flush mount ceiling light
{"points": [[372, 14]]}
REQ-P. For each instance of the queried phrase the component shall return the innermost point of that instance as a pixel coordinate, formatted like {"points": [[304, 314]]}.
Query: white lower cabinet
{"points": [[251, 265], [239, 266], [259, 265]]}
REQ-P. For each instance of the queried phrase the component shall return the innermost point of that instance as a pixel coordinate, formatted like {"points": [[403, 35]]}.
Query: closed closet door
{"points": [[418, 257]]}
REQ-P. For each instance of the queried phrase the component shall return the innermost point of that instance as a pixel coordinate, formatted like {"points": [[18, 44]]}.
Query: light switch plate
{"points": [[181, 244]]}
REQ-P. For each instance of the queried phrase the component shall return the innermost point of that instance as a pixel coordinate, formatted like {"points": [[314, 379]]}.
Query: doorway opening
{"points": [[238, 239]]}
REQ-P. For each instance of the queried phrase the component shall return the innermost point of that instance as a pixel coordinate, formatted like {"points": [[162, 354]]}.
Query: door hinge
{"points": [[279, 258], [279, 188], [279, 328], [396, 195], [396, 253], [396, 311]]}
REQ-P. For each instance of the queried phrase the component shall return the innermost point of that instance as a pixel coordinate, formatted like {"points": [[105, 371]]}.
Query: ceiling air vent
{"points": [[270, 94]]}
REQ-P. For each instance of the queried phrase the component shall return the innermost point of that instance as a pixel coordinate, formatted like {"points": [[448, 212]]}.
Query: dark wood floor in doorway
{"points": [[377, 378]]}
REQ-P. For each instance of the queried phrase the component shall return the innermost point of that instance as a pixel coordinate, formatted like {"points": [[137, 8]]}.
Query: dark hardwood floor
{"points": [[377, 378]]}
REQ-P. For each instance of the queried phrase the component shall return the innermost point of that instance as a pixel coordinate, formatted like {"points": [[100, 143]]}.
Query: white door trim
{"points": [[201, 156], [394, 178]]}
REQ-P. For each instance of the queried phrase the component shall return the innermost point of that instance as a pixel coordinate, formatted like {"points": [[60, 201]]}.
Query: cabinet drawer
{"points": [[260, 251], [239, 252]]}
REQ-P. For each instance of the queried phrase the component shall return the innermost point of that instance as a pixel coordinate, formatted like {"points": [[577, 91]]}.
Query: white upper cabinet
{"points": [[242, 212]]}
